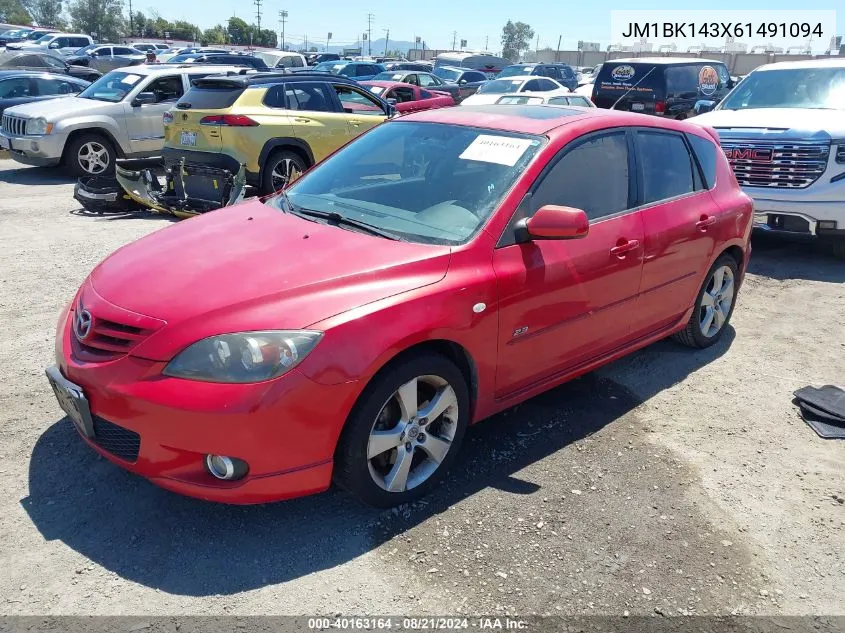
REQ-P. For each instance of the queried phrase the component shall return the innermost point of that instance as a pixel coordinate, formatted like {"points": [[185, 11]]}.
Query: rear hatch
{"points": [[195, 123], [631, 87]]}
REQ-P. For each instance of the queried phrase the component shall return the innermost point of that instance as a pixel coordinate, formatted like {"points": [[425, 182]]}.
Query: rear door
{"points": [[565, 302], [680, 221], [317, 117], [630, 86]]}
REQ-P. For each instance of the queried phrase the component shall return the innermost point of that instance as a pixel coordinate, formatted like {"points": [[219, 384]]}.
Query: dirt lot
{"points": [[673, 481]]}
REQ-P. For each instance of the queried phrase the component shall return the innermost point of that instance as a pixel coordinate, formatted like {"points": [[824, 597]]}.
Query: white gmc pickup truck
{"points": [[783, 131]]}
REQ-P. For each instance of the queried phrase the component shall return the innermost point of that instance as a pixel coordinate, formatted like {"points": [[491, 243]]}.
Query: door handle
{"points": [[624, 246], [704, 222], [302, 120], [355, 123]]}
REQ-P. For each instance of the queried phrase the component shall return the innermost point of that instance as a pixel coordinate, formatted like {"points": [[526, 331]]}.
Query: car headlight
{"points": [[38, 126], [243, 357]]}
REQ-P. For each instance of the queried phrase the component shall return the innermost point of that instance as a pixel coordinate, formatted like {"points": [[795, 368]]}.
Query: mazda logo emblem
{"points": [[82, 324]]}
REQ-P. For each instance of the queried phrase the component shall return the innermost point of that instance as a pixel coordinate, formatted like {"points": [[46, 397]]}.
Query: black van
{"points": [[666, 86]]}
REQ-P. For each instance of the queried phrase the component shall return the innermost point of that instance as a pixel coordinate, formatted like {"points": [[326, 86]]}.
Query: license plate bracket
{"points": [[188, 138], [637, 107], [73, 402], [5, 143]]}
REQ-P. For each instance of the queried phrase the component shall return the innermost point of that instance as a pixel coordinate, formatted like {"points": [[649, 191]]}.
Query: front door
{"points": [[363, 109], [144, 122], [564, 302], [316, 117]]}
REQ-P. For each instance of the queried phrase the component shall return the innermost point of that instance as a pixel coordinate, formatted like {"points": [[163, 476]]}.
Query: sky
{"points": [[479, 22]]}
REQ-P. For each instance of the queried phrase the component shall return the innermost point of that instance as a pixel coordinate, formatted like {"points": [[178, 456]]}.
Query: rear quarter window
{"points": [[705, 153]]}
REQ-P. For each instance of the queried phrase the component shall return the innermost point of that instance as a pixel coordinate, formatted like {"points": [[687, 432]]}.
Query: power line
{"points": [[282, 17], [370, 17], [257, 4]]}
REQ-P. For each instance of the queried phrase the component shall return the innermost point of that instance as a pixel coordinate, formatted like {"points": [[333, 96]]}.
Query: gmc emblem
{"points": [[762, 155]]}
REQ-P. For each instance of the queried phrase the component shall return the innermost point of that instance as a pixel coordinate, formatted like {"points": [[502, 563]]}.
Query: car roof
{"points": [[4, 74], [522, 77], [665, 60], [538, 119], [386, 84], [835, 62], [188, 69]]}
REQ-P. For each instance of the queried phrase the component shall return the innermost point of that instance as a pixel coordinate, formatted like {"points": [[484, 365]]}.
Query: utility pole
{"points": [[131, 21], [486, 42], [386, 40], [537, 46], [283, 15], [557, 53], [370, 18], [258, 16], [454, 39], [306, 42]]}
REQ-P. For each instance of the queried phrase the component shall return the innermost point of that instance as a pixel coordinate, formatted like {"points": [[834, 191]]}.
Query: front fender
{"points": [[98, 123]]}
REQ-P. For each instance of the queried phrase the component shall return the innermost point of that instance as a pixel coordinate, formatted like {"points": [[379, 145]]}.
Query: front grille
{"points": [[14, 125], [791, 166], [116, 440], [108, 340], [840, 153]]}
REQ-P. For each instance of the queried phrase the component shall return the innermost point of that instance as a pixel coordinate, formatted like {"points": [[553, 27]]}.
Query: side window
{"points": [[426, 81], [104, 51], [724, 75], [559, 101], [425, 94], [61, 42], [592, 176], [553, 72], [705, 152], [666, 166], [545, 84], [309, 97], [15, 88], [54, 87], [166, 88], [355, 101], [402, 95], [532, 85], [681, 81], [120, 50], [33, 61], [413, 79]]}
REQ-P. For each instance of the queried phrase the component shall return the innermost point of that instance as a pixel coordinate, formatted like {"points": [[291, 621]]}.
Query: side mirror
{"points": [[94, 54], [391, 109], [143, 98], [54, 45], [703, 105], [392, 101], [552, 222], [462, 82]]}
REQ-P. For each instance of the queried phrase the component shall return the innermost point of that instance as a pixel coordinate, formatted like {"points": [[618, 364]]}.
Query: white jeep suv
{"points": [[783, 130], [118, 116]]}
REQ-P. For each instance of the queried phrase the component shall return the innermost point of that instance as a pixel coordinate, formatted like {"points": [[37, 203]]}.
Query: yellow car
{"points": [[261, 129]]}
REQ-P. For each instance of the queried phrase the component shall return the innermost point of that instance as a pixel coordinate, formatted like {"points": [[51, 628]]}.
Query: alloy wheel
{"points": [[716, 301], [285, 172], [93, 157], [413, 433]]}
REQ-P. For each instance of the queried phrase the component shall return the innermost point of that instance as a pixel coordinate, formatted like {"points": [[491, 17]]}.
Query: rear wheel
{"points": [[281, 169], [405, 431], [90, 154], [713, 306]]}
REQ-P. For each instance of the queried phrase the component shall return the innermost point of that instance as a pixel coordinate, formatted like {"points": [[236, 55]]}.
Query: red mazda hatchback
{"points": [[442, 267]]}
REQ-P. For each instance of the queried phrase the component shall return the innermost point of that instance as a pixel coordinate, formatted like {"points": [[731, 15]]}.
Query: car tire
{"points": [[278, 163], [714, 305], [427, 447], [101, 152]]}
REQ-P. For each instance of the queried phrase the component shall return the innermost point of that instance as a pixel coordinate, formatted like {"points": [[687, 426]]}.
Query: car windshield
{"points": [[447, 73], [85, 49], [376, 90], [35, 35], [112, 87], [500, 86], [421, 182], [188, 58], [389, 76], [328, 67], [822, 88], [44, 39], [512, 71]]}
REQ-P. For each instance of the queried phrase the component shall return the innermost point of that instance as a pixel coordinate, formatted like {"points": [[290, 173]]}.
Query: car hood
{"points": [[61, 107], [777, 123], [252, 267]]}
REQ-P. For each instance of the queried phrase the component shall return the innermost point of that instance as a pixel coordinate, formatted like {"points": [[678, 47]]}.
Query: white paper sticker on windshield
{"points": [[502, 150], [131, 79]]}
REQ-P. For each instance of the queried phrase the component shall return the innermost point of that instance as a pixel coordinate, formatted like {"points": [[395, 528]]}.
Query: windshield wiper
{"points": [[337, 218]]}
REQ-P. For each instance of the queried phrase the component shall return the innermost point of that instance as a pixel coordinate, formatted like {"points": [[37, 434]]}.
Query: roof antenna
{"points": [[642, 79]]}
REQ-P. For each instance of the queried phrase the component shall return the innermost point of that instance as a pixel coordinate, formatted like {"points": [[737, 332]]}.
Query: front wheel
{"points": [[281, 169], [405, 431], [713, 306], [90, 155]]}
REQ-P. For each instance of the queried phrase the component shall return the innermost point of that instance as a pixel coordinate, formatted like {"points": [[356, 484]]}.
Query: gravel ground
{"points": [[673, 482]]}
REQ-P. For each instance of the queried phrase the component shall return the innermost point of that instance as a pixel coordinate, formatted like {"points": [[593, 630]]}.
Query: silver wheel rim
{"points": [[716, 301], [93, 157], [413, 433], [284, 173]]}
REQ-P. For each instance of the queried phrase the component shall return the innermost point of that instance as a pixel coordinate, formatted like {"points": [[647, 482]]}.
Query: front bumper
{"points": [[40, 151], [798, 217], [285, 429]]}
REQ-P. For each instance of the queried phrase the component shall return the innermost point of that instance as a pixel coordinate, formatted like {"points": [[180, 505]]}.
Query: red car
{"points": [[442, 267], [408, 98]]}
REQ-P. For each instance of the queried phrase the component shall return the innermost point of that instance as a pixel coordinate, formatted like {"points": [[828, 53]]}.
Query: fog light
{"points": [[827, 224], [226, 468], [34, 146]]}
